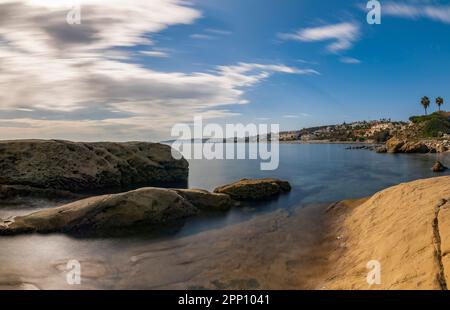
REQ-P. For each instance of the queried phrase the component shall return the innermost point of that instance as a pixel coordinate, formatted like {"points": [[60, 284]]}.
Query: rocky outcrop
{"points": [[258, 189], [82, 167], [146, 208], [396, 145], [404, 228]]}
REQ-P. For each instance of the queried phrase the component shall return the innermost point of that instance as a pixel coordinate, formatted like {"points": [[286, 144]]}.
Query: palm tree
{"points": [[425, 103], [439, 102]]}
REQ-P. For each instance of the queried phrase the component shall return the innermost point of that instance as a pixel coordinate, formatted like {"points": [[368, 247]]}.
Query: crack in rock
{"points": [[437, 245]]}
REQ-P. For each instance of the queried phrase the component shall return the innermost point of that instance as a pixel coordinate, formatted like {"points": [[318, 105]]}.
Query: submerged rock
{"points": [[258, 189], [439, 167], [80, 167], [146, 208]]}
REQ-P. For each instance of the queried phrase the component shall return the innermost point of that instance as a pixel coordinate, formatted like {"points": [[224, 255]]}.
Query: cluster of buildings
{"points": [[357, 131]]}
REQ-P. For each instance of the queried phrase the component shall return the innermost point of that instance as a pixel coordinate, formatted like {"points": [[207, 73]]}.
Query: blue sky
{"points": [[399, 61], [298, 63]]}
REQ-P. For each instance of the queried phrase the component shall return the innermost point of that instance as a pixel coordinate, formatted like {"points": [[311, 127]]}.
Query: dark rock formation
{"points": [[439, 167], [255, 190], [82, 167]]}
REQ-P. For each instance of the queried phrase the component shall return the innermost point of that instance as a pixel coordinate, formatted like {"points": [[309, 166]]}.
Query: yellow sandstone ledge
{"points": [[406, 228]]}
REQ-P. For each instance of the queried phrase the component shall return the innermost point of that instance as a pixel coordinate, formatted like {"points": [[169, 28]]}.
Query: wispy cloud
{"points": [[49, 69], [210, 34], [350, 60], [343, 35], [218, 31], [201, 36], [417, 10], [159, 54], [295, 116], [303, 61]]}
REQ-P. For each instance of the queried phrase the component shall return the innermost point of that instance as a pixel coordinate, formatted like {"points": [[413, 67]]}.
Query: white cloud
{"points": [[294, 116], [159, 54], [71, 82], [438, 13], [343, 35], [350, 60], [200, 36], [218, 31]]}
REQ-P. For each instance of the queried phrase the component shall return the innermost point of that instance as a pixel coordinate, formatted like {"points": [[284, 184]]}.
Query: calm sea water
{"points": [[321, 172], [317, 173]]}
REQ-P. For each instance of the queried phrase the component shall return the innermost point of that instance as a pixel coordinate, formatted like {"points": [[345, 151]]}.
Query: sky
{"points": [[131, 70]]}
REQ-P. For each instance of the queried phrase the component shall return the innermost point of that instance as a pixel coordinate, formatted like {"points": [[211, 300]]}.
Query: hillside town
{"points": [[376, 131]]}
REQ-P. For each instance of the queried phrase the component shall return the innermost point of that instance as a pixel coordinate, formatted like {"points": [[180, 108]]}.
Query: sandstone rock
{"points": [[207, 201], [80, 167], [405, 228], [394, 145], [439, 167], [414, 147], [381, 149], [441, 148], [259, 189], [147, 207]]}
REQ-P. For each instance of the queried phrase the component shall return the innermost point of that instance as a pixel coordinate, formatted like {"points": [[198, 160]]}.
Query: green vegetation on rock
{"points": [[433, 125]]}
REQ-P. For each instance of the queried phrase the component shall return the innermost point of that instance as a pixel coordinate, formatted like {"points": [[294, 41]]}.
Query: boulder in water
{"points": [[147, 208], [254, 190], [439, 167]]}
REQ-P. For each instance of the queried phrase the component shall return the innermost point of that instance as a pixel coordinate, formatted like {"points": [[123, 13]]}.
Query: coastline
{"points": [[327, 142]]}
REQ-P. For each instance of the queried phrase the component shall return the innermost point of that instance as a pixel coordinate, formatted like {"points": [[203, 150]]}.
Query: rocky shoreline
{"points": [[151, 209], [404, 228], [397, 145]]}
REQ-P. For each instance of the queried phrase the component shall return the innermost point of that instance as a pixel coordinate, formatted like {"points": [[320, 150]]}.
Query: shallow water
{"points": [[319, 174]]}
